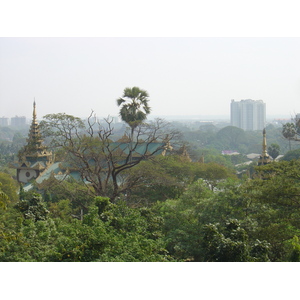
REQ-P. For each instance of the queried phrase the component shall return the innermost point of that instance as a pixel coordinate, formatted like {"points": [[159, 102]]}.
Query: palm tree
{"points": [[289, 131], [134, 107]]}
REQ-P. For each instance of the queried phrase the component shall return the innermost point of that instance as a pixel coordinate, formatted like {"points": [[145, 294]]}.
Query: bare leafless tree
{"points": [[90, 149]]}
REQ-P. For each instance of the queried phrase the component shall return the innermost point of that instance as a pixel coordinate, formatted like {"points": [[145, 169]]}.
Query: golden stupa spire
{"points": [[34, 111], [264, 145], [264, 158]]}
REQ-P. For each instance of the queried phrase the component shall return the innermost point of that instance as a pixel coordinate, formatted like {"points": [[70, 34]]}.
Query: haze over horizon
{"points": [[183, 76]]}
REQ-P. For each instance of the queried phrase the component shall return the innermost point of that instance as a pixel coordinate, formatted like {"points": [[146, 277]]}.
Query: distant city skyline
{"points": [[183, 76], [167, 117]]}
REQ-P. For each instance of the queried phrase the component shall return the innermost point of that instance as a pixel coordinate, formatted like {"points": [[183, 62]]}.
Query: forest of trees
{"points": [[193, 215], [162, 208]]}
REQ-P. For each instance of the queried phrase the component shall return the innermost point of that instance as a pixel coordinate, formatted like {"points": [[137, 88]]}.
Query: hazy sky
{"points": [[183, 76]]}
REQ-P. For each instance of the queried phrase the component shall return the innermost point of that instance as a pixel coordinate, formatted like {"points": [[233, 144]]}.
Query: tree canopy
{"points": [[90, 150]]}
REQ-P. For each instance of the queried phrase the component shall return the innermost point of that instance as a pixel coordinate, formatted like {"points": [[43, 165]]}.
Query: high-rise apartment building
{"points": [[18, 121], [248, 114], [3, 121]]}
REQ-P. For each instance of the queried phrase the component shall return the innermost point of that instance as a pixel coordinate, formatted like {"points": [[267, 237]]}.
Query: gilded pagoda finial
{"points": [[34, 111], [264, 158], [264, 142]]}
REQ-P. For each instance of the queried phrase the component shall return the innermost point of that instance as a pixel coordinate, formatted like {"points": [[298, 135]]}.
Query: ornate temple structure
{"points": [[34, 158], [36, 163], [264, 157]]}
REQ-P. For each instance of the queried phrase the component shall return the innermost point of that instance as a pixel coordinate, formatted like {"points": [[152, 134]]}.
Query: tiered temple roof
{"points": [[34, 155]]}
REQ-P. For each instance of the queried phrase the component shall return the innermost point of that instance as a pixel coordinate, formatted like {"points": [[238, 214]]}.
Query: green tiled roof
{"points": [[59, 169], [54, 168], [139, 149]]}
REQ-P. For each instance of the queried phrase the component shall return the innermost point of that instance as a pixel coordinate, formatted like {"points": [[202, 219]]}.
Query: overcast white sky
{"points": [[183, 75]]}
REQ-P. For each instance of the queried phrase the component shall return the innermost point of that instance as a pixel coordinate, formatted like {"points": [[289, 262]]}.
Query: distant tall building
{"points": [[248, 114], [18, 121], [3, 121]]}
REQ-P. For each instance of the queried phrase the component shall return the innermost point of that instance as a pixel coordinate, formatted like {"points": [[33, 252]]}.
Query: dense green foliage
{"points": [[293, 154], [108, 232], [208, 139], [10, 143], [163, 178], [170, 209], [237, 220], [9, 186]]}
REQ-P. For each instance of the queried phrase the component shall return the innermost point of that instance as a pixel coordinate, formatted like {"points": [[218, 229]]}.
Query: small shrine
{"points": [[184, 153]]}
